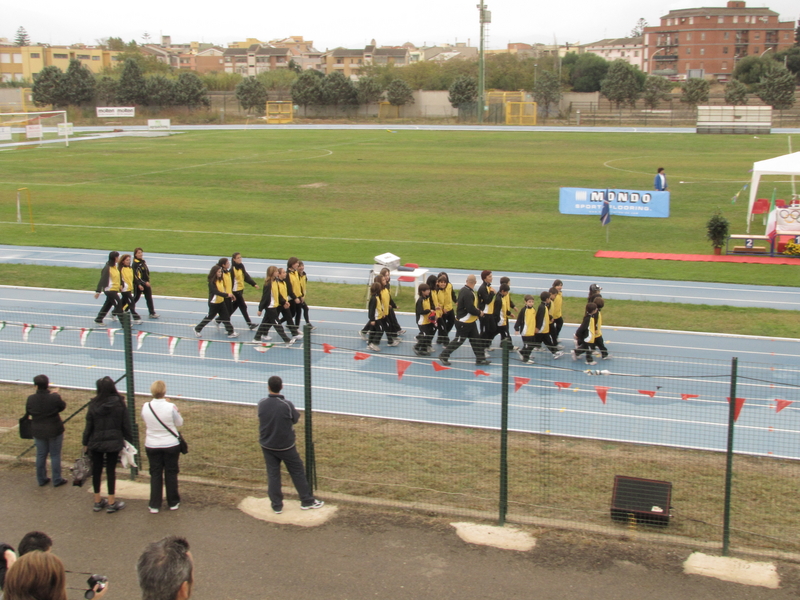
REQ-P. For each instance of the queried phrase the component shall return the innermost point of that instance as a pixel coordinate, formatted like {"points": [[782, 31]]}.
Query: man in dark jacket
{"points": [[48, 431], [467, 314], [276, 419]]}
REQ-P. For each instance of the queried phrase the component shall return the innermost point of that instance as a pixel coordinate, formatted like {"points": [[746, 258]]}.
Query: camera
{"points": [[93, 581]]}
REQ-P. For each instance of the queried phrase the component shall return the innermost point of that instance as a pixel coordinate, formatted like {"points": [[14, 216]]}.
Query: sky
{"points": [[351, 24]]}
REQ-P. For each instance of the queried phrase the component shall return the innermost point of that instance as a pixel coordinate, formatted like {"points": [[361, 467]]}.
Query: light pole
{"points": [[484, 17]]}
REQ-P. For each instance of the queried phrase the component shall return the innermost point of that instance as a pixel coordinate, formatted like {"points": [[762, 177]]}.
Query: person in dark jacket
{"points": [[276, 419], [108, 426], [467, 314], [45, 407], [240, 276], [110, 285], [216, 302], [141, 280]]}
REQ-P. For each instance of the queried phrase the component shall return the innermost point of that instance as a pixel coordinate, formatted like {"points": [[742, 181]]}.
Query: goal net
{"points": [[35, 127]]}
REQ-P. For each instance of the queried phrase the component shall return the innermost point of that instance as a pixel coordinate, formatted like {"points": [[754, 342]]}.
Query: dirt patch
{"points": [[313, 185]]}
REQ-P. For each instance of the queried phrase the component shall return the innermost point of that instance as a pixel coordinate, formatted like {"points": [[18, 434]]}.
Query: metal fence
{"points": [[537, 443]]}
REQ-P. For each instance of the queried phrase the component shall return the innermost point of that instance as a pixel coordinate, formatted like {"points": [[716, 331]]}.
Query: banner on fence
{"points": [[116, 111], [626, 203]]}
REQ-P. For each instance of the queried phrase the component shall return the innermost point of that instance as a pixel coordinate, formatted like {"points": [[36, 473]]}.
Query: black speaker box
{"points": [[645, 500]]}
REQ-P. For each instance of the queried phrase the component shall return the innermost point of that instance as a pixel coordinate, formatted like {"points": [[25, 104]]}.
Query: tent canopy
{"points": [[788, 164]]}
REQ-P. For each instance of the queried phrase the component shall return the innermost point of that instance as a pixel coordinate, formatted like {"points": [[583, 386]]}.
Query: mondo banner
{"points": [[625, 203]]}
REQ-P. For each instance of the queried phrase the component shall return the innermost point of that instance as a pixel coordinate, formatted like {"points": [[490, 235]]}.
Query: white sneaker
{"points": [[374, 347], [291, 342], [298, 335], [363, 335], [522, 358], [559, 346], [558, 355], [573, 354], [401, 331], [393, 343], [607, 357], [153, 511], [266, 338], [317, 504], [233, 335], [198, 333]]}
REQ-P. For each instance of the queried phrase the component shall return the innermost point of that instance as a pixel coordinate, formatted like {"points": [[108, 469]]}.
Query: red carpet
{"points": [[730, 258]]}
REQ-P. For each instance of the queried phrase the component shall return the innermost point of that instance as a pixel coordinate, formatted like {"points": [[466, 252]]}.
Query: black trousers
{"points": [[299, 310], [425, 338], [546, 339], [599, 344], [555, 328], [129, 304], [164, 470], [464, 332], [445, 324], [214, 310], [112, 301], [238, 302], [527, 346], [148, 296], [269, 320], [294, 464], [110, 459]]}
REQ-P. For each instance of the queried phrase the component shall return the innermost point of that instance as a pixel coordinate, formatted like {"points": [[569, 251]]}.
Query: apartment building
{"points": [[21, 63], [631, 49], [255, 59], [348, 61]]}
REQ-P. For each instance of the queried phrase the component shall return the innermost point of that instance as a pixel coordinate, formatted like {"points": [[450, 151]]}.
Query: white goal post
{"points": [[35, 127]]}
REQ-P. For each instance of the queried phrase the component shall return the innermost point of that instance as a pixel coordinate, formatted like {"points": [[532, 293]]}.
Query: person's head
{"points": [[594, 290], [236, 257], [124, 260], [445, 275], [166, 570], [558, 284], [34, 540], [591, 308], [431, 281], [553, 292], [272, 273], [275, 384], [106, 387], [41, 382], [158, 389], [291, 264], [529, 300], [301, 266], [660, 170], [386, 272], [599, 302], [504, 289], [281, 274], [471, 281], [545, 297], [486, 276], [138, 253], [506, 280], [424, 290], [215, 273], [376, 287], [441, 281], [36, 575], [112, 258], [224, 262]]}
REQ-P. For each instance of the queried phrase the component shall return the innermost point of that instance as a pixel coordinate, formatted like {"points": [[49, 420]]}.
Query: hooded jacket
{"points": [[107, 425]]}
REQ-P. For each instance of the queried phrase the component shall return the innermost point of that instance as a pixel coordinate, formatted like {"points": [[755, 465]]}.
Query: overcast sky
{"points": [[350, 24]]}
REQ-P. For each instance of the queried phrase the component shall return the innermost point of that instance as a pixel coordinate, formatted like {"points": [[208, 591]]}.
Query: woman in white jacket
{"points": [[162, 446]]}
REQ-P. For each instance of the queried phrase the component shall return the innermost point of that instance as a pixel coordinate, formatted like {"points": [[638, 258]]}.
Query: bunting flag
{"points": [[650, 393], [480, 372], [602, 392], [781, 404], [562, 384], [2, 325], [84, 334], [438, 366], [26, 330], [111, 333], [236, 350], [262, 347], [171, 343], [402, 365], [326, 348], [687, 396], [54, 331], [737, 408], [202, 345], [360, 356], [520, 381], [140, 339]]}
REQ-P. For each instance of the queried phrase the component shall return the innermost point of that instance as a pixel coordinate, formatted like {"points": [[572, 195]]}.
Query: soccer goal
{"points": [[32, 127], [521, 113]]}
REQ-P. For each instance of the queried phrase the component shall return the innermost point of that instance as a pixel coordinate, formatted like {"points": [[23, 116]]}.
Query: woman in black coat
{"points": [[107, 427]]}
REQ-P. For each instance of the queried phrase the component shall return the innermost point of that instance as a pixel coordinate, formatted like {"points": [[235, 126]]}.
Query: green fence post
{"points": [[726, 520], [503, 508], [311, 463], [125, 321]]}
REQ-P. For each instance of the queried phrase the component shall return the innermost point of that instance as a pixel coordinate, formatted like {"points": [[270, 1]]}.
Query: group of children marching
{"points": [[123, 280]]}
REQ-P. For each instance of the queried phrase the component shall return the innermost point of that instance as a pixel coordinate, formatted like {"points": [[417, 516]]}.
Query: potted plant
{"points": [[717, 231]]}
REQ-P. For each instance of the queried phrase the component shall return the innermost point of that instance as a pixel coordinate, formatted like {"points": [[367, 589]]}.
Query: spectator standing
{"points": [[35, 541], [40, 576], [660, 182], [108, 426], [166, 570], [162, 420], [141, 279], [45, 407], [276, 419]]}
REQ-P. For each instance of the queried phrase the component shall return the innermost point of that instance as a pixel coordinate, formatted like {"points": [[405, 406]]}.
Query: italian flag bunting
{"points": [[111, 332], [54, 331], [201, 347], [236, 349], [26, 329], [2, 325], [172, 342], [262, 347], [84, 334], [140, 339]]}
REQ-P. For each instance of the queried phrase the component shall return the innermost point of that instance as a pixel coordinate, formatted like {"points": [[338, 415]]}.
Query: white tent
{"points": [[788, 164]]}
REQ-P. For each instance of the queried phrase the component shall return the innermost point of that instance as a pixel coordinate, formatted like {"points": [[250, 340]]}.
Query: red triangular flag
{"points": [[361, 356], [781, 404], [479, 372], [601, 391], [650, 393], [402, 365], [326, 348], [738, 408], [687, 396], [562, 384], [438, 367], [520, 381]]}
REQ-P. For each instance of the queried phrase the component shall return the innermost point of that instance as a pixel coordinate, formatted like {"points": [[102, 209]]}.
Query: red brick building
{"points": [[708, 42]]}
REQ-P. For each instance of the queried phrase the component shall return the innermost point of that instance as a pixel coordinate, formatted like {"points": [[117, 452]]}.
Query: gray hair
{"points": [[163, 567]]}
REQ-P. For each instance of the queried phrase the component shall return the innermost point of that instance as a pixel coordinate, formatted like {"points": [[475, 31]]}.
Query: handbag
{"points": [[81, 470], [25, 428], [181, 441]]}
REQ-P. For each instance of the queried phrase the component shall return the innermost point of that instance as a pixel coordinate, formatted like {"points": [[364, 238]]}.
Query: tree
{"points": [[791, 57], [105, 91], [190, 91], [695, 91], [338, 90], [369, 91], [252, 94], [399, 93], [78, 84], [221, 82], [777, 88], [638, 29], [509, 72], [463, 92], [131, 87], [655, 90], [751, 69], [48, 88], [546, 91], [22, 39], [424, 75], [797, 34], [622, 84], [279, 81], [735, 93], [160, 91], [307, 89], [293, 66], [587, 72]]}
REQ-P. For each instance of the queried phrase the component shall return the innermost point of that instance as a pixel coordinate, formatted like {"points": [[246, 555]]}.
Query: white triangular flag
{"points": [[201, 347], [140, 339], [263, 347], [173, 341], [26, 329], [111, 332], [236, 349], [54, 331], [84, 334]]}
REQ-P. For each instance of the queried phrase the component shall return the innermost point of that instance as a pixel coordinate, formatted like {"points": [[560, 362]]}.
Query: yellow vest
{"points": [[220, 287], [294, 279], [226, 278], [113, 279], [546, 321], [386, 295], [238, 275], [126, 274], [505, 307], [555, 306], [469, 318], [427, 306], [530, 322]]}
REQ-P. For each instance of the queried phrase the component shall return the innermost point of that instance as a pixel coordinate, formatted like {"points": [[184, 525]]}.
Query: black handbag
{"points": [[25, 428], [181, 441]]}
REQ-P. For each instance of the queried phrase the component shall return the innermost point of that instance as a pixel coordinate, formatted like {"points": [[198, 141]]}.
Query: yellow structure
{"points": [[387, 110], [497, 97], [521, 113], [280, 112], [21, 63]]}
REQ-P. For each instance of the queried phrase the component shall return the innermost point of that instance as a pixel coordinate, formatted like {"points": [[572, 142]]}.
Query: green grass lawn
{"points": [[453, 199]]}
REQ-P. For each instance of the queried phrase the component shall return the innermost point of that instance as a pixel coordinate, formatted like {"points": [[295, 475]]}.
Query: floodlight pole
{"points": [[484, 17]]}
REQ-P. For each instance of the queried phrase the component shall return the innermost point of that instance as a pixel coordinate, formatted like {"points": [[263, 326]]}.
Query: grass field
{"points": [[454, 199]]}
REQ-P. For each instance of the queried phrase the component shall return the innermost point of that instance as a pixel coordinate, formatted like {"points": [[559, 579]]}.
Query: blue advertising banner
{"points": [[625, 203]]}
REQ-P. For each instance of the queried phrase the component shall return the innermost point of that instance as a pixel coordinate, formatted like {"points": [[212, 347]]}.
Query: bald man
{"points": [[467, 315]]}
